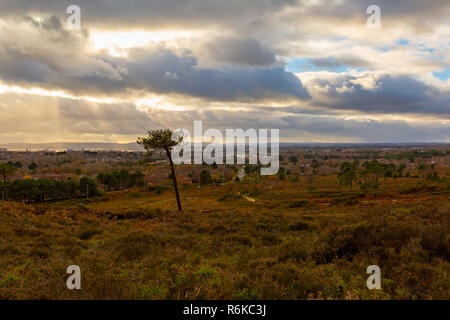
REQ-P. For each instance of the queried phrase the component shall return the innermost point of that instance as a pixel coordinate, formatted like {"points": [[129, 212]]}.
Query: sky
{"points": [[310, 68]]}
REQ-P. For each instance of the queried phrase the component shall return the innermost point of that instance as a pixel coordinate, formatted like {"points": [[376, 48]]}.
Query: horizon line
{"points": [[207, 142]]}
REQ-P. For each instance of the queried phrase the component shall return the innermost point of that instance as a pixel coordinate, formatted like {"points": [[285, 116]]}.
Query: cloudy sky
{"points": [[310, 68]]}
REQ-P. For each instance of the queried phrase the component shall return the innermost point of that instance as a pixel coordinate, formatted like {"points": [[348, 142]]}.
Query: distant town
{"points": [[295, 160]]}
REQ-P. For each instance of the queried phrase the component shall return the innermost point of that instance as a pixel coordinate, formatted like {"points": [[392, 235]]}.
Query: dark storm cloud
{"points": [[153, 13], [238, 51], [390, 94], [60, 62], [48, 55], [67, 65], [314, 127], [367, 131], [417, 13], [195, 13], [166, 72]]}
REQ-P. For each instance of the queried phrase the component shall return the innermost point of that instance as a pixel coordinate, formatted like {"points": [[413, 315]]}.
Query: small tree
{"points": [[138, 179], [5, 171], [32, 166], [18, 164], [422, 168], [125, 179], [205, 178], [315, 165], [88, 187], [347, 174], [389, 171], [364, 171], [401, 168], [375, 167], [281, 174], [161, 140]]}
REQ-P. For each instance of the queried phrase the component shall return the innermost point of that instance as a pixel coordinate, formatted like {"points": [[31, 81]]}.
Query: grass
{"points": [[290, 243]]}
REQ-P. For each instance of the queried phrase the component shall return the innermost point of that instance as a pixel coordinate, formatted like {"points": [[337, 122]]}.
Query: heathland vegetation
{"points": [[309, 233]]}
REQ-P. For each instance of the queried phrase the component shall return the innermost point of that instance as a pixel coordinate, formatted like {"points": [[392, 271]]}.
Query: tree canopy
{"points": [[159, 140]]}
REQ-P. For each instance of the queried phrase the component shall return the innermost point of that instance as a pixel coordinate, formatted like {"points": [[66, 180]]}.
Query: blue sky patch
{"points": [[402, 42], [321, 64], [444, 75]]}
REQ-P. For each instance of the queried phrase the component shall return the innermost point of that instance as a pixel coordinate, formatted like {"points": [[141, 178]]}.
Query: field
{"points": [[266, 239]]}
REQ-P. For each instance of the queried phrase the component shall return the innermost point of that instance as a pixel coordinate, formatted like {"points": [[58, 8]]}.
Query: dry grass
{"points": [[290, 243]]}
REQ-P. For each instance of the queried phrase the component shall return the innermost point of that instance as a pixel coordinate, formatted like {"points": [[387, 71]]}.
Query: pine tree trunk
{"points": [[5, 191], [174, 178]]}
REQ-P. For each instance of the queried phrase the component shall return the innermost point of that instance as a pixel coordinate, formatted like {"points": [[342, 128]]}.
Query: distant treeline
{"points": [[41, 190], [411, 155], [119, 180]]}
